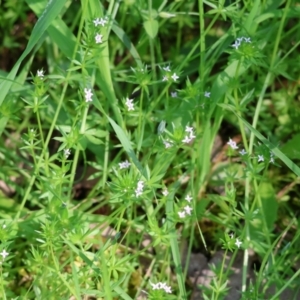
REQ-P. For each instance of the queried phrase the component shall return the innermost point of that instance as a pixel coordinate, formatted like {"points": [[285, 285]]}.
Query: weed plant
{"points": [[136, 133]]}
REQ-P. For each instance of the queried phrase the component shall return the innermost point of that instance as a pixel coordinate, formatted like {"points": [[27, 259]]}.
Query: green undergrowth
{"points": [[138, 133]]}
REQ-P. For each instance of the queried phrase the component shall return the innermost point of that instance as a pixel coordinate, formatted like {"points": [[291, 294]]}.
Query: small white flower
{"points": [[155, 286], [96, 22], [238, 243], [165, 192], [129, 104], [4, 254], [186, 139], [247, 40], [188, 198], [232, 144], [173, 94], [188, 209], [260, 158], [165, 78], [98, 38], [88, 95], [67, 152], [207, 94], [125, 164], [40, 73], [167, 69], [168, 144], [272, 160], [192, 136], [236, 44], [174, 77], [181, 214], [189, 129], [4, 226], [168, 289], [243, 152]]}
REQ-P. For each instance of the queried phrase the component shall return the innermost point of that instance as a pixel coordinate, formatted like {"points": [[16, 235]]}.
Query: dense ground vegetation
{"points": [[149, 149]]}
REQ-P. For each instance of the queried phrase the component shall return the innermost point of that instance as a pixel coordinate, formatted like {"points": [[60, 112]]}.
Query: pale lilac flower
{"points": [[207, 94], [167, 69], [181, 214], [40, 73], [67, 152], [188, 198], [125, 164], [174, 77], [238, 243], [186, 139], [243, 152], [165, 192], [188, 209], [165, 78], [173, 94], [4, 254], [232, 144], [98, 38], [129, 104], [260, 158], [168, 289], [88, 95]]}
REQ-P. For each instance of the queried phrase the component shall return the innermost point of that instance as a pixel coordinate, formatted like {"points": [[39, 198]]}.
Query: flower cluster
{"points": [[125, 164], [260, 157], [187, 210], [139, 189], [88, 95], [166, 76], [239, 41], [161, 286], [129, 104], [190, 136], [98, 36]]}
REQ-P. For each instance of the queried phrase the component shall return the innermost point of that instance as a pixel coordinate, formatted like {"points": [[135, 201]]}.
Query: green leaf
{"points": [[151, 27], [127, 146], [291, 148], [269, 203]]}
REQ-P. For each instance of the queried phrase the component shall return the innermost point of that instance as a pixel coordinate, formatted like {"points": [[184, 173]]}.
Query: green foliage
{"points": [[136, 132]]}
